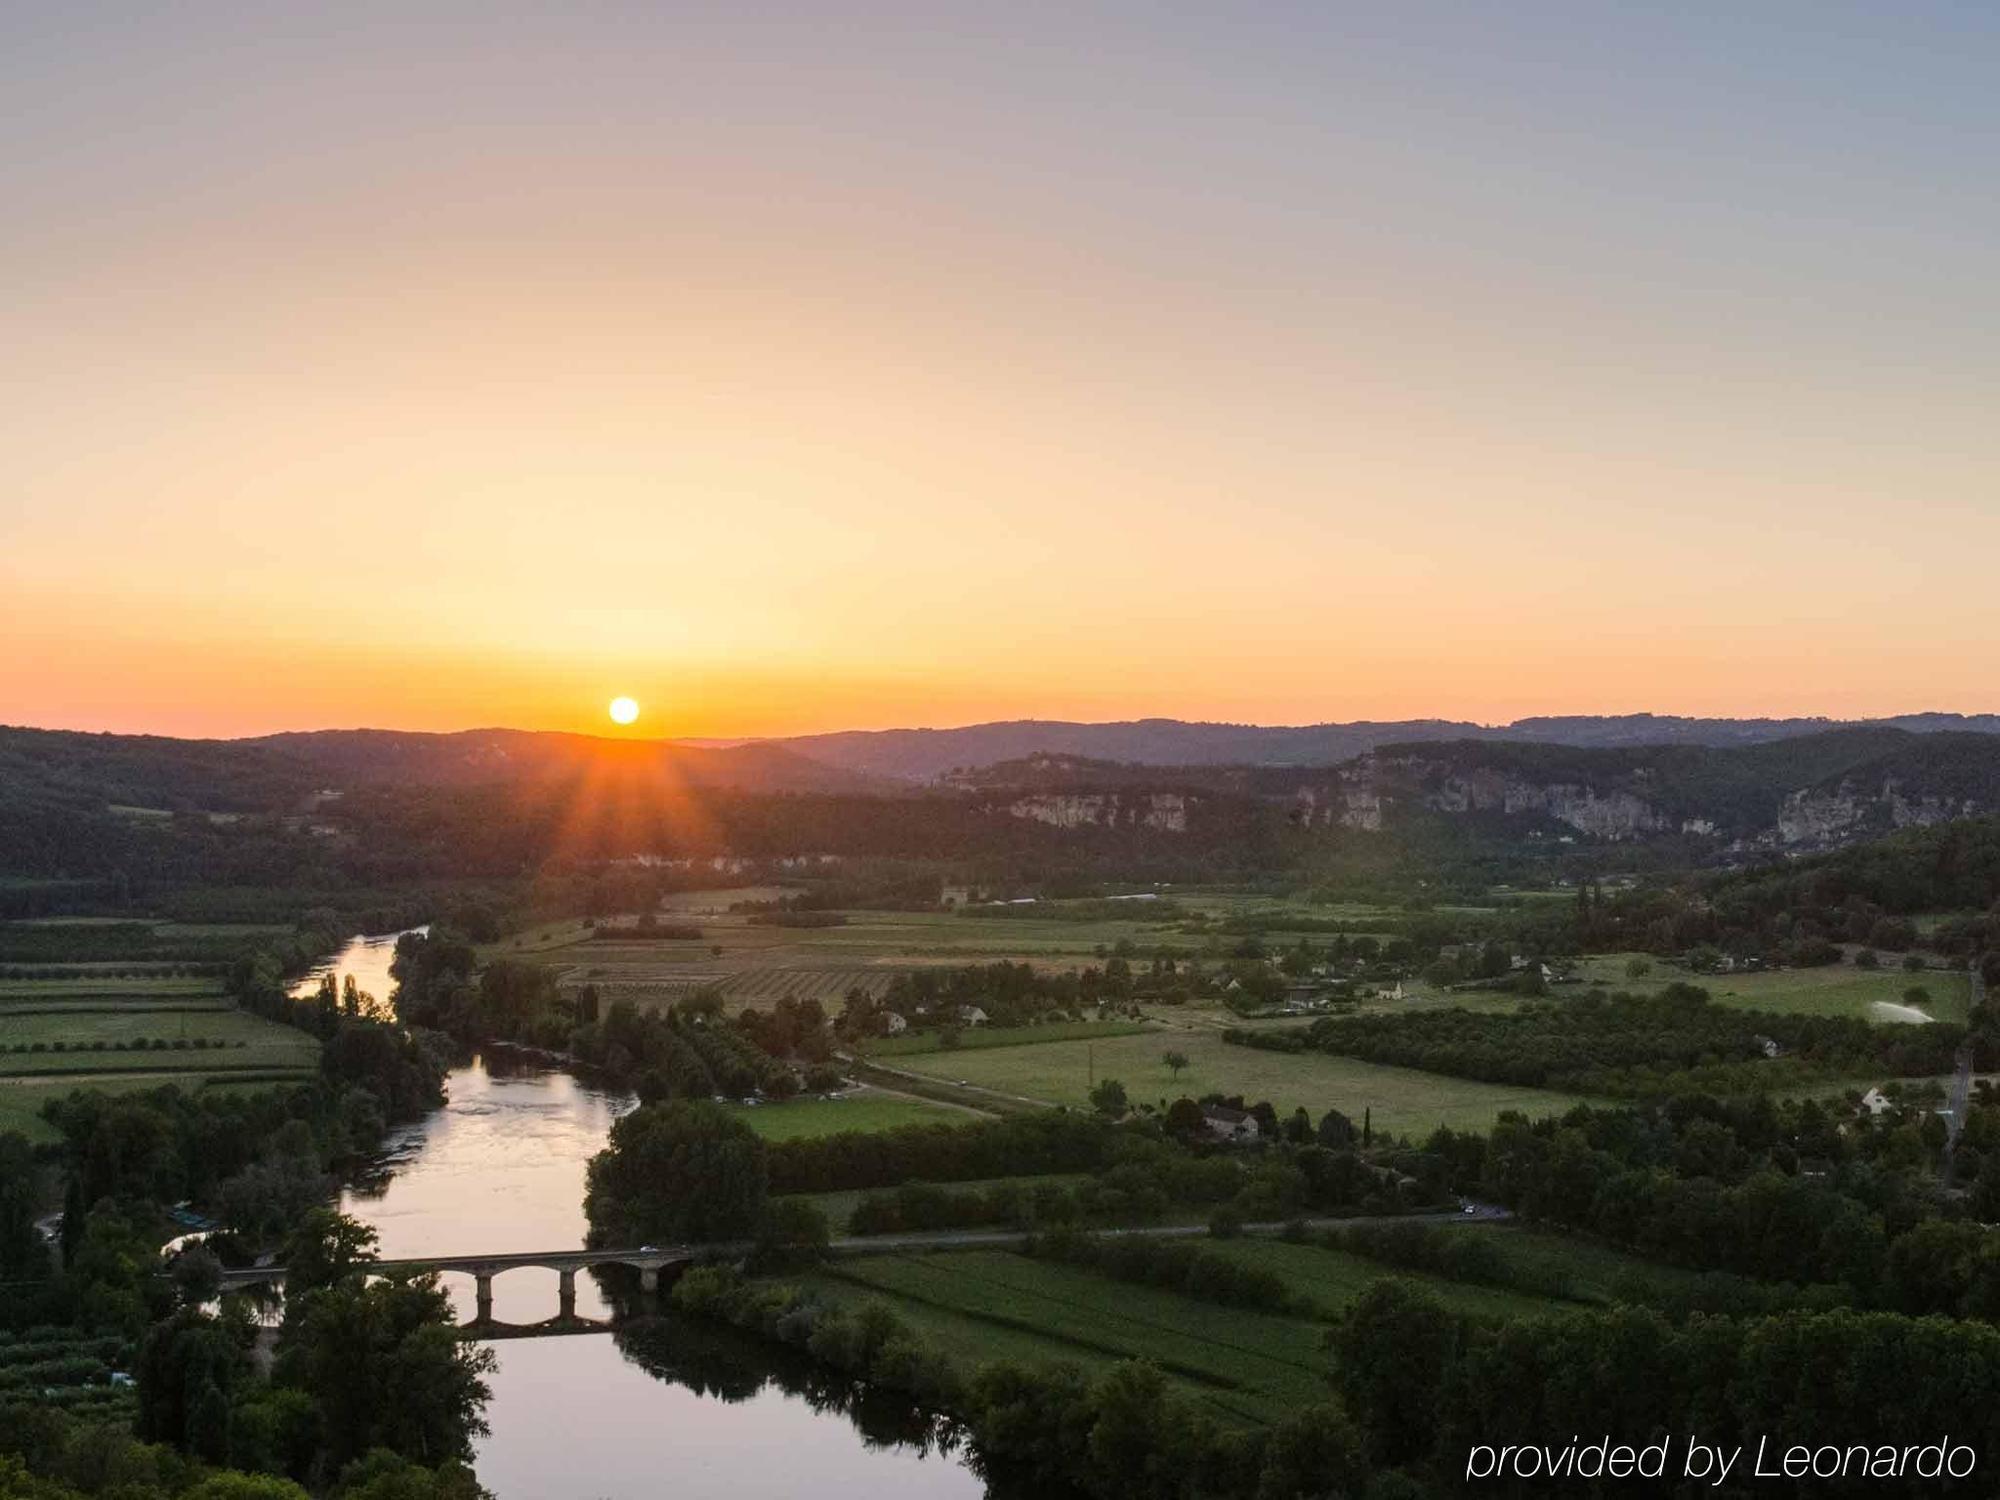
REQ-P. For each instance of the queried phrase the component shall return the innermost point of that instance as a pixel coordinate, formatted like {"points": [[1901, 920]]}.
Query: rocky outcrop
{"points": [[1824, 818], [1159, 812], [1802, 799]]}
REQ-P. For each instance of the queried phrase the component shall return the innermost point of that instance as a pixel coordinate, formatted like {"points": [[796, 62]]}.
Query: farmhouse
{"points": [[893, 1023], [1875, 1102], [971, 1015], [1227, 1124]]}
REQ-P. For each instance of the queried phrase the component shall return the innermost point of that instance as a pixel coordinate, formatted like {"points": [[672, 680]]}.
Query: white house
{"points": [[971, 1015], [894, 1024], [1227, 1124], [1875, 1102]]}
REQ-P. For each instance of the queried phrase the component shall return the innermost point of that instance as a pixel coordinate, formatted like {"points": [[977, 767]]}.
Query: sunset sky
{"points": [[805, 367]]}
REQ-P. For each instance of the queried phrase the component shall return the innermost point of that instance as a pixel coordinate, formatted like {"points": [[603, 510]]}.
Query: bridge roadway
{"points": [[650, 1260]]}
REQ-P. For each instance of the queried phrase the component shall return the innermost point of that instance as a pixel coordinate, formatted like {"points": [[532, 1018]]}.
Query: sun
{"points": [[624, 710]]}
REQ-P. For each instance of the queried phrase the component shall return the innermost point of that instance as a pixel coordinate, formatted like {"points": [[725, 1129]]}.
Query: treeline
{"points": [[255, 1160], [372, 1396], [1019, 1145], [690, 1050], [1626, 1044], [1178, 1266], [677, 1054], [1799, 911], [1780, 1193], [1427, 1390], [1148, 1177]]}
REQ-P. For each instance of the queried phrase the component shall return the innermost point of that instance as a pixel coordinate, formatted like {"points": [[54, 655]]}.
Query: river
{"points": [[366, 958], [661, 1409]]}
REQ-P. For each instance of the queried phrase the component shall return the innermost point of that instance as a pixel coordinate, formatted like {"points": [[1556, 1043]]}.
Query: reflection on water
{"points": [[662, 1407], [499, 1168], [367, 959]]}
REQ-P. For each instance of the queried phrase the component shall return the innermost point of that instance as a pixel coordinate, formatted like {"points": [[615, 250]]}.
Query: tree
{"points": [[325, 1250], [1108, 1098], [185, 1370], [197, 1276], [793, 1231], [683, 1172], [1392, 1351], [1313, 1451], [1175, 1061], [1336, 1131], [23, 1256], [383, 1475], [383, 1363], [1299, 1127]]}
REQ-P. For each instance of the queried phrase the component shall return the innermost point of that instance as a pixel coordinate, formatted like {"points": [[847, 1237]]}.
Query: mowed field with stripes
{"points": [[757, 965], [116, 1023]]}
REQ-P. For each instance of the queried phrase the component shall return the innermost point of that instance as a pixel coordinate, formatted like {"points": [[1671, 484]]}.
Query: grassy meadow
{"points": [[1402, 1100], [117, 1025], [857, 1109], [1245, 1367], [1830, 990]]}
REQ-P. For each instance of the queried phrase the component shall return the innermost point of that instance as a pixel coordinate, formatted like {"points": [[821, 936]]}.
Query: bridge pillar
{"points": [[649, 1280], [566, 1292], [482, 1282]]}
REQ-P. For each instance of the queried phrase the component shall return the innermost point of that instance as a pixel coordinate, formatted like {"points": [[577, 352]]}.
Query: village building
{"points": [[1227, 1124]]}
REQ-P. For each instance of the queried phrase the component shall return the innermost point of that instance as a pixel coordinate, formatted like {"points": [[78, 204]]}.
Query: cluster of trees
{"points": [[253, 1159], [689, 1172], [1148, 1177], [1011, 994], [688, 1051], [372, 1396], [1626, 1044], [1178, 1266], [1425, 1388], [1018, 1145], [1800, 912], [364, 1366], [1779, 1193]]}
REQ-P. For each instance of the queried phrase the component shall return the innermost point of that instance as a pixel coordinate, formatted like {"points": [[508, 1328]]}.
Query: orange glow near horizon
{"points": [[788, 377]]}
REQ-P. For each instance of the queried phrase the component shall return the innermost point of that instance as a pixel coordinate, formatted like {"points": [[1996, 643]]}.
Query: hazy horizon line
{"points": [[726, 741]]}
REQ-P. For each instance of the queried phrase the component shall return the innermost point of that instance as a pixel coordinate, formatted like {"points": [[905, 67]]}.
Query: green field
{"points": [[88, 1025], [21, 1099], [1246, 1367], [1331, 1279], [1831, 990], [759, 965], [839, 1206], [858, 1109], [1584, 1269], [100, 1041], [914, 1043], [89, 986], [1403, 1101]]}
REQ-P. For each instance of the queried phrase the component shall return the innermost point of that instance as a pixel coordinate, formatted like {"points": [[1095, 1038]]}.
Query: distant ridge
{"points": [[922, 755]]}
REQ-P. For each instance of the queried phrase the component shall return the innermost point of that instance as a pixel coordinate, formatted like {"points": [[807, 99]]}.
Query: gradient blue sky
{"points": [[804, 367]]}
